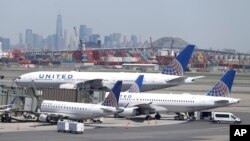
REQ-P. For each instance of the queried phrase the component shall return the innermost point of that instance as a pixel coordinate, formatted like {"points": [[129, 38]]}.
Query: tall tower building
{"points": [[83, 32], [28, 39], [59, 33], [20, 40], [65, 39]]}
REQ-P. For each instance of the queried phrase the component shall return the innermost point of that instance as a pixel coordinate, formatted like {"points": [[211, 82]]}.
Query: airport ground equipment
{"points": [[225, 117], [203, 115], [76, 127], [6, 117], [70, 127], [62, 126]]}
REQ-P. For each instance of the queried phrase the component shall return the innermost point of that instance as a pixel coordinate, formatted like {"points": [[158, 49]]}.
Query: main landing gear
{"points": [[179, 116], [157, 116]]}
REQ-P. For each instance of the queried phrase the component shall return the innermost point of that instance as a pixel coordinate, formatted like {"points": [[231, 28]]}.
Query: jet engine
{"points": [[44, 118], [130, 112]]}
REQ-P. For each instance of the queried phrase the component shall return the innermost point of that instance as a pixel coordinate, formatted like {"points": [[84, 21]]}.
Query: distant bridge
{"points": [[144, 49]]}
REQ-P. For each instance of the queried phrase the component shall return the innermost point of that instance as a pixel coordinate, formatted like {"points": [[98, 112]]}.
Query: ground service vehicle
{"points": [[220, 117]]}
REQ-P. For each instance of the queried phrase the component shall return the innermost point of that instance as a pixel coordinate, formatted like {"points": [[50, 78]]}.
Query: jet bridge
{"points": [[23, 102], [86, 92]]}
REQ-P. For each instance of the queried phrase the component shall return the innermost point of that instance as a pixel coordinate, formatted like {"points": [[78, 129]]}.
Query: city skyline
{"points": [[208, 24]]}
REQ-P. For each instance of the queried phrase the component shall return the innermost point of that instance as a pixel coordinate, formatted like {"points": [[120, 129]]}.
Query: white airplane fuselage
{"points": [[46, 79], [75, 110], [175, 102]]}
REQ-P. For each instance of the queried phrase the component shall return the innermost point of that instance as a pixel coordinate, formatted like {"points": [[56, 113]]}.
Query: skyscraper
{"points": [[28, 39], [5, 43], [83, 32], [65, 40], [59, 33], [20, 40]]}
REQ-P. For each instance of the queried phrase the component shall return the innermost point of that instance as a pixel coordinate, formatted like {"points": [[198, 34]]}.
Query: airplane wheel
{"points": [[157, 116], [181, 117], [148, 117], [176, 118]]}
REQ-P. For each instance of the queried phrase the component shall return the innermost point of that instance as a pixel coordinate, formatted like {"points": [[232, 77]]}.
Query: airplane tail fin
{"points": [[137, 85], [113, 98], [12, 102], [224, 85], [178, 65]]}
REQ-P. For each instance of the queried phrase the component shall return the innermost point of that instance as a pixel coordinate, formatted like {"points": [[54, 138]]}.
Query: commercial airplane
{"points": [[171, 75], [151, 103], [51, 111], [8, 107]]}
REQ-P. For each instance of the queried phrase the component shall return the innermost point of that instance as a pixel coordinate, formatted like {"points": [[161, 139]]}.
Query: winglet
{"points": [[178, 65], [113, 98], [136, 87], [224, 85]]}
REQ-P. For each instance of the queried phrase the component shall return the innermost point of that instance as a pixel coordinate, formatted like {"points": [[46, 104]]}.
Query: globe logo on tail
{"points": [[110, 100], [174, 68], [134, 88], [220, 89]]}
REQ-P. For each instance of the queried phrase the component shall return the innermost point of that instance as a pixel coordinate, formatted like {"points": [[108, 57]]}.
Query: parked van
{"points": [[225, 117]]}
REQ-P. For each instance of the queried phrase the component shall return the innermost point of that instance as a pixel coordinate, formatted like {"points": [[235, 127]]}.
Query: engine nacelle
{"points": [[44, 118], [129, 112]]}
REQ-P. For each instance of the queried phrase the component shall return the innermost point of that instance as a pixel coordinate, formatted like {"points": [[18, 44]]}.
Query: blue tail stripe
{"points": [[185, 56], [224, 85], [12, 102], [117, 90], [113, 98], [228, 78], [179, 64], [136, 87]]}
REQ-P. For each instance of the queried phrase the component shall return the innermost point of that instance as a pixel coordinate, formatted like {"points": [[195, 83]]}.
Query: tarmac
{"points": [[109, 122], [165, 129]]}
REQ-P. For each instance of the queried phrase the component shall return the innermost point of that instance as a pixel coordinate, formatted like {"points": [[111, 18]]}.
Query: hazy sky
{"points": [[213, 24]]}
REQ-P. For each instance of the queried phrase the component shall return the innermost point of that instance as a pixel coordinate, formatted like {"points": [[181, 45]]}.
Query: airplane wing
{"points": [[111, 110], [178, 79], [5, 110], [3, 106], [55, 114], [192, 79], [93, 84], [184, 79]]}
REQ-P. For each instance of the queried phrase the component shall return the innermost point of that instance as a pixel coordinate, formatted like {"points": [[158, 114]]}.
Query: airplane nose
{"points": [[17, 80]]}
